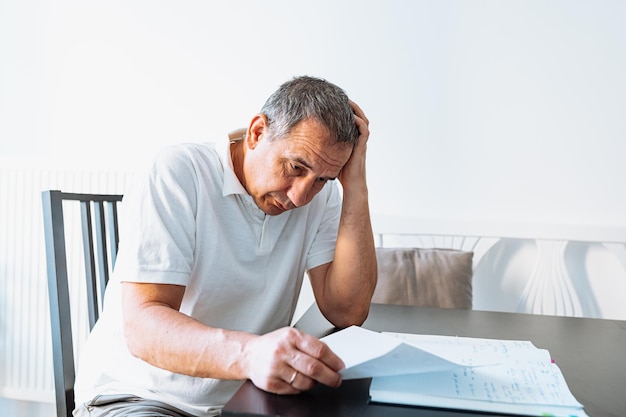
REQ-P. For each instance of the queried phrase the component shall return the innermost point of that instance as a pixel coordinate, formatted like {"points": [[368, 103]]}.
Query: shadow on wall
{"points": [[576, 256], [500, 275], [511, 277]]}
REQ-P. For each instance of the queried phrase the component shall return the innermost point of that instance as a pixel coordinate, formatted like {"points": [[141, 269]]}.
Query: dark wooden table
{"points": [[591, 353]]}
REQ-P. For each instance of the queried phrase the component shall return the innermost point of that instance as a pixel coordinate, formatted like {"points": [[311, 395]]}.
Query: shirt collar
{"points": [[232, 185]]}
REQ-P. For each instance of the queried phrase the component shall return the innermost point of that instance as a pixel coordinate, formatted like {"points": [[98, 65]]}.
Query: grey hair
{"points": [[309, 98]]}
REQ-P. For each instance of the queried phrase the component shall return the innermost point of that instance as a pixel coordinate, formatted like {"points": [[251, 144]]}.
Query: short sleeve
{"points": [[322, 250], [158, 232]]}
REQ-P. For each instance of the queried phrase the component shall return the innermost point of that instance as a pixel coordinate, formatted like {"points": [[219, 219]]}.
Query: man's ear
{"points": [[257, 128]]}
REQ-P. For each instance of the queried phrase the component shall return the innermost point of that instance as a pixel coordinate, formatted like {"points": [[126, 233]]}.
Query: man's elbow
{"points": [[346, 317], [131, 338]]}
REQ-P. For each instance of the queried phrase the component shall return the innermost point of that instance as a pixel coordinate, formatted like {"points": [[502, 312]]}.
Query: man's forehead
{"points": [[326, 159], [311, 141]]}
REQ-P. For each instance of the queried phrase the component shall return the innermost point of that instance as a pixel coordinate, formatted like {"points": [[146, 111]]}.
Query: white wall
{"points": [[506, 110]]}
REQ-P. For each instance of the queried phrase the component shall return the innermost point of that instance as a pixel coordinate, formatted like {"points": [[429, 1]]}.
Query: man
{"points": [[212, 254]]}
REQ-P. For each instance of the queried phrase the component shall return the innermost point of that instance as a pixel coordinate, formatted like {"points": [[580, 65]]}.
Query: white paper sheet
{"points": [[367, 354], [490, 375]]}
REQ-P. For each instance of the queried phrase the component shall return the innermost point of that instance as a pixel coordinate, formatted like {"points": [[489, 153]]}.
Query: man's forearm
{"points": [[170, 340], [352, 276], [285, 361]]}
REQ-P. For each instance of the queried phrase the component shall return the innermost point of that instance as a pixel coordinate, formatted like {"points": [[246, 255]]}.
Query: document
{"points": [[371, 354], [505, 376]]}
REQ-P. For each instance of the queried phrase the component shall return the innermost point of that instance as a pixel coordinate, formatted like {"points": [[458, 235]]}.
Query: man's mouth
{"points": [[283, 207]]}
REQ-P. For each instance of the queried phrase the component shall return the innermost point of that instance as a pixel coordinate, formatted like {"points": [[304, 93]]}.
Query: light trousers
{"points": [[127, 405]]}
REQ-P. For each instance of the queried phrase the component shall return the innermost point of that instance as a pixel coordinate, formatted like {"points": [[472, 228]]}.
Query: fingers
{"points": [[294, 384], [361, 121], [289, 361], [293, 377], [353, 175], [317, 349], [314, 362], [359, 112], [297, 383]]}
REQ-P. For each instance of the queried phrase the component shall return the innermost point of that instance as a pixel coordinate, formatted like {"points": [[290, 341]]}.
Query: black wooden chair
{"points": [[98, 218]]}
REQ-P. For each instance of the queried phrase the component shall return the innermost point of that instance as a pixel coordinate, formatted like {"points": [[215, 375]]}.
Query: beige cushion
{"points": [[424, 277]]}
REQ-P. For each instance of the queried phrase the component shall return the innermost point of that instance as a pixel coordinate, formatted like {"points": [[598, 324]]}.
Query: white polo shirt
{"points": [[190, 222]]}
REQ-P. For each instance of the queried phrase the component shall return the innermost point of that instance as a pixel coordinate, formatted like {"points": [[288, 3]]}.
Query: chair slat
{"points": [[89, 257], [114, 238], [101, 246]]}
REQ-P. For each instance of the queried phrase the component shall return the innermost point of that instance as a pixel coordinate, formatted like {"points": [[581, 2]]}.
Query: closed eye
{"points": [[296, 169], [299, 167]]}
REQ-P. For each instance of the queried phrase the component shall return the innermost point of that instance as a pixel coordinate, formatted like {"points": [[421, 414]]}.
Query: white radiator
{"points": [[25, 341]]}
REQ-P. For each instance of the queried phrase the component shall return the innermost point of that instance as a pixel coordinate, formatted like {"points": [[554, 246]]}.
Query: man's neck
{"points": [[236, 155]]}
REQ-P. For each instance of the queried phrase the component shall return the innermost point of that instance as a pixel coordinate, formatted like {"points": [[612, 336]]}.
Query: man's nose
{"points": [[301, 191]]}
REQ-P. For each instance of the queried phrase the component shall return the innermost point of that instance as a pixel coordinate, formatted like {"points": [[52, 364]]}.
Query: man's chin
{"points": [[272, 210]]}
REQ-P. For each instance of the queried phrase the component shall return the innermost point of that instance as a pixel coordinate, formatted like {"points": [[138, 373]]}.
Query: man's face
{"points": [[282, 174]]}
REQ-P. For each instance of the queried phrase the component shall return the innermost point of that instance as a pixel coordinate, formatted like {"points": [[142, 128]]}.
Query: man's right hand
{"points": [[288, 361]]}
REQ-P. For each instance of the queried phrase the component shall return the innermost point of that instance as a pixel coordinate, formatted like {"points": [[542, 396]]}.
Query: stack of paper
{"points": [[503, 376]]}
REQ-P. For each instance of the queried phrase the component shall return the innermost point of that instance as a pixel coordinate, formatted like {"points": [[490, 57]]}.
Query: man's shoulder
{"points": [[187, 153], [190, 149]]}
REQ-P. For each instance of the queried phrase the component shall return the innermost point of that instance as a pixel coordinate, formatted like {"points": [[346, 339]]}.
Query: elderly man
{"points": [[213, 250]]}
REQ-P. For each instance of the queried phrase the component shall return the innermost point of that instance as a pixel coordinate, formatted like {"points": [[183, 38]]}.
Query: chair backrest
{"points": [[98, 218], [424, 277]]}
